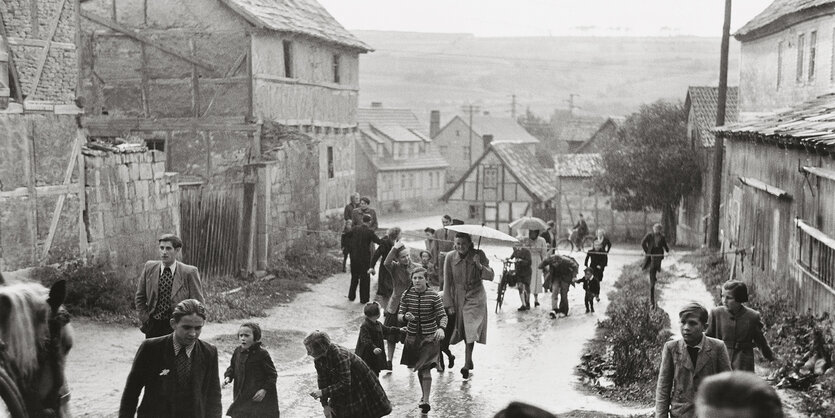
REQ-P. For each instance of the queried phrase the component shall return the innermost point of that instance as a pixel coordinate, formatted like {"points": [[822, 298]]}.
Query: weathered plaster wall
{"points": [[58, 79], [334, 192], [131, 201]]}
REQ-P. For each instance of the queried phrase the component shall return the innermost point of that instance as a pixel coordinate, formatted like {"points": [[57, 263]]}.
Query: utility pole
{"points": [[571, 103], [513, 106], [470, 109], [719, 144]]}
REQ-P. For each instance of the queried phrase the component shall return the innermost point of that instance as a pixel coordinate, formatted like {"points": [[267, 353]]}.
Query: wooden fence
{"points": [[216, 223]]}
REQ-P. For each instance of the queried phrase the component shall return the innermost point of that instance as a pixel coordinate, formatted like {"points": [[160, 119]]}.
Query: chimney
{"points": [[434, 123], [486, 113], [487, 138], [376, 105]]}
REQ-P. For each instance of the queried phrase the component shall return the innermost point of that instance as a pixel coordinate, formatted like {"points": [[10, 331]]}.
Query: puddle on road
{"points": [[285, 346]]}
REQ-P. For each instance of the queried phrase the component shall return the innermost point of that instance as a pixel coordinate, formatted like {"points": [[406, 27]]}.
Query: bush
{"points": [[713, 269], [92, 291]]}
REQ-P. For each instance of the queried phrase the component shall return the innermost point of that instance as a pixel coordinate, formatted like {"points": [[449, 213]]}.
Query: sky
{"points": [[512, 18]]}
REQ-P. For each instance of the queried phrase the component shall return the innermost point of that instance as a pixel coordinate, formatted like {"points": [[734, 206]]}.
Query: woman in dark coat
{"points": [[739, 326], [654, 244], [598, 257], [253, 371], [384, 286]]}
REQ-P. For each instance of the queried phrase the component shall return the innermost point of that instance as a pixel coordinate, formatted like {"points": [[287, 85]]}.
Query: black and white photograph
{"points": [[324, 208]]}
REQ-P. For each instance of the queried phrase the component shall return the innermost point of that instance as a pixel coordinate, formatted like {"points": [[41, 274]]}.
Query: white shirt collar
{"points": [[162, 268], [178, 347]]}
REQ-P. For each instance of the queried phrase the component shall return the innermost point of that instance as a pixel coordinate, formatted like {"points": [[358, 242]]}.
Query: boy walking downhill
{"points": [[591, 285], [370, 341], [685, 363], [522, 259], [254, 375]]}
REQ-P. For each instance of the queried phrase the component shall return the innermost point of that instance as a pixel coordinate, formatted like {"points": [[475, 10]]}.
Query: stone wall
{"points": [[131, 201]]}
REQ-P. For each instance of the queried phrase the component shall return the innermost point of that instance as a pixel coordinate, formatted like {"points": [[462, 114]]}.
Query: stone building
{"points": [[397, 166], [694, 210], [462, 146], [202, 80]]}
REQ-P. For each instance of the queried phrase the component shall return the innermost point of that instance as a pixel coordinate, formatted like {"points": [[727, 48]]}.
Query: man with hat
{"points": [[686, 362], [162, 285]]}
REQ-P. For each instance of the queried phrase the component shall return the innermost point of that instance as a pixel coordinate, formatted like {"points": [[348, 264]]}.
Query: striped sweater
{"points": [[427, 308]]}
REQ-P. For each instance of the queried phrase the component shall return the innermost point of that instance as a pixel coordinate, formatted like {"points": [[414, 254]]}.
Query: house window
{"points": [[473, 212], [780, 62], [336, 68], [399, 150], [155, 144], [457, 133], [813, 40], [466, 150], [402, 181], [491, 177], [801, 44], [431, 179], [330, 162], [411, 180], [443, 149], [288, 58]]}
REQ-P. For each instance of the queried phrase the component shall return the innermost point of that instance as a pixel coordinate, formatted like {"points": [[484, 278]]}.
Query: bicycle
{"points": [[569, 244], [508, 279]]}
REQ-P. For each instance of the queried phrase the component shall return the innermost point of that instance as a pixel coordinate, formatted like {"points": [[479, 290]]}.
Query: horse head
{"points": [[35, 337]]}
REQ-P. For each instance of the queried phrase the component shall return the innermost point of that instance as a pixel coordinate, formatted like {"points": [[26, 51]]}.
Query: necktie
{"points": [[166, 280], [694, 354], [183, 368]]}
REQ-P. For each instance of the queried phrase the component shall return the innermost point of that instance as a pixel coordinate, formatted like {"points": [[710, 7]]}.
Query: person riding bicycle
{"points": [[580, 231]]}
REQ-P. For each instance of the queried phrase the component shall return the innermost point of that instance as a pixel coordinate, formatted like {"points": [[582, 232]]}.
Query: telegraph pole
{"points": [[571, 103], [470, 108], [513, 106], [719, 144]]}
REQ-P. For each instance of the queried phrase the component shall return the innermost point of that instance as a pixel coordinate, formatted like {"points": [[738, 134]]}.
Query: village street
{"points": [[529, 357]]}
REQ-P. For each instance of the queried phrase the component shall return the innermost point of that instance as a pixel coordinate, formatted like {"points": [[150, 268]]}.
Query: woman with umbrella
{"points": [[538, 248], [465, 297]]}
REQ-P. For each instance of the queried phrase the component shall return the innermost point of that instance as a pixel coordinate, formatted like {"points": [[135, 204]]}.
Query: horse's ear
{"points": [[57, 294], [2, 280], [5, 308]]}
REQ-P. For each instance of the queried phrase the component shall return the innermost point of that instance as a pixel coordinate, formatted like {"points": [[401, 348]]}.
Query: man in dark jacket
{"points": [[654, 244], [522, 258], [384, 286], [365, 209], [348, 213], [178, 371], [361, 238]]}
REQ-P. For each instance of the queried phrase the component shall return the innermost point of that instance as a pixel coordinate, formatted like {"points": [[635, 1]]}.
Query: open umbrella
{"points": [[482, 232], [530, 223]]}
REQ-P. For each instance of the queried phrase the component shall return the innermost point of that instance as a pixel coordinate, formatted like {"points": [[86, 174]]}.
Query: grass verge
{"points": [[621, 362], [804, 343]]}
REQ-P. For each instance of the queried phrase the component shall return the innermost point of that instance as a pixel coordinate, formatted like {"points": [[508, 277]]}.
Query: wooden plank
{"points": [[229, 73], [32, 210], [56, 214], [821, 172], [53, 26], [145, 90], [51, 190], [144, 39], [39, 43], [249, 84], [33, 18], [762, 186], [82, 199], [195, 82], [103, 124], [12, 67]]}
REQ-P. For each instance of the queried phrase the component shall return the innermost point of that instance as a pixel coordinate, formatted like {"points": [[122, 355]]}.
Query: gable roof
{"points": [[581, 129], [704, 100], [429, 160], [522, 165], [779, 15], [395, 133], [390, 116], [809, 125], [502, 129], [577, 165], [304, 17]]}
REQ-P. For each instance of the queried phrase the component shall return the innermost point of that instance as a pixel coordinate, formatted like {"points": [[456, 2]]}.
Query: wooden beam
{"points": [[32, 201], [53, 26], [821, 172], [39, 43], [229, 73], [285, 80], [145, 90], [759, 185], [120, 125], [50, 190], [82, 199], [18, 90], [59, 206], [33, 17], [146, 40], [195, 82]]}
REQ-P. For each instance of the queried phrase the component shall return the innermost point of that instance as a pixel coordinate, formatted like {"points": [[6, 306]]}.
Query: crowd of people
{"points": [[426, 306]]}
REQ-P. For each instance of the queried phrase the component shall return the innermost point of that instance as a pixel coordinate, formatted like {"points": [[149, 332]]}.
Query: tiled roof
{"points": [[526, 169], [305, 17], [429, 160], [704, 101], [576, 165], [502, 129], [779, 9], [809, 125], [395, 133], [580, 129], [390, 116]]}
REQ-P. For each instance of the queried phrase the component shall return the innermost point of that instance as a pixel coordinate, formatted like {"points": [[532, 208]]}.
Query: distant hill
{"points": [[612, 76]]}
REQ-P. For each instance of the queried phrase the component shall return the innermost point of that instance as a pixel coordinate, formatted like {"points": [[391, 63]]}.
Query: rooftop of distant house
{"points": [[303, 17], [379, 116], [577, 165], [704, 100], [503, 129], [781, 14]]}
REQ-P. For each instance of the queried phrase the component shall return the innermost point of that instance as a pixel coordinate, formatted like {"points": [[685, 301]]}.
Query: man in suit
{"points": [[365, 209], [178, 371], [654, 244], [685, 363], [162, 285], [348, 212], [361, 237]]}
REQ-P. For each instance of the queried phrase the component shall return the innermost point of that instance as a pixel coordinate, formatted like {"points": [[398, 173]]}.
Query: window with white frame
{"points": [[801, 45]]}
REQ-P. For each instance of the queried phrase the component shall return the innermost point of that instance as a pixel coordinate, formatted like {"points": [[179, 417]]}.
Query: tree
{"points": [[651, 165]]}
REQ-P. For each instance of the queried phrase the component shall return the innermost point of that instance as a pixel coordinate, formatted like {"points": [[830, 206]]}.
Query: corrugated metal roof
{"points": [[809, 125], [502, 129], [526, 169], [704, 101], [577, 165], [777, 10], [305, 17], [390, 116]]}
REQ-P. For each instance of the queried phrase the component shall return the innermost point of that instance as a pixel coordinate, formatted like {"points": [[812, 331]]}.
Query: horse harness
{"points": [[21, 406]]}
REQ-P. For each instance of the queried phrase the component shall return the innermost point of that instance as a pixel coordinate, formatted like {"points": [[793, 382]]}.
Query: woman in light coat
{"points": [[539, 250], [464, 296]]}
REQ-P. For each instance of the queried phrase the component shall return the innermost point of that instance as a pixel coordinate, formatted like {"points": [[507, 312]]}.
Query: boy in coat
{"points": [[254, 374], [370, 341], [178, 371], [686, 362]]}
